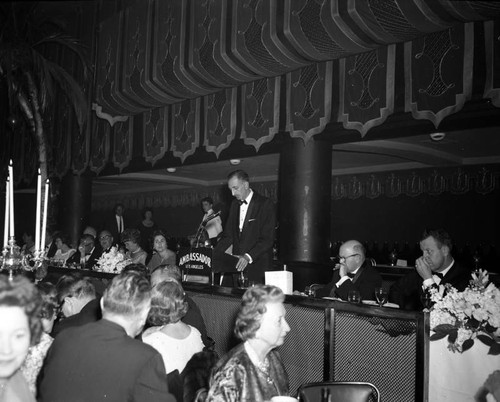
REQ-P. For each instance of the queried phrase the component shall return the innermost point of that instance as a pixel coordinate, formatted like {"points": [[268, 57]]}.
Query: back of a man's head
{"points": [[82, 289], [165, 272], [127, 295]]}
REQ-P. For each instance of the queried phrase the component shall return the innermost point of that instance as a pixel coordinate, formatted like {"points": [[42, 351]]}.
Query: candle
{"points": [[6, 219], [38, 210], [45, 204], [11, 199]]}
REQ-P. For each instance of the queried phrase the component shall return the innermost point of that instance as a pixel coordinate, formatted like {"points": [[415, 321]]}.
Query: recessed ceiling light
{"points": [[234, 161], [171, 170], [437, 136]]}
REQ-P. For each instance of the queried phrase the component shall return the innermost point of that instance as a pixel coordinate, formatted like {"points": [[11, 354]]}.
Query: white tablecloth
{"points": [[456, 377]]}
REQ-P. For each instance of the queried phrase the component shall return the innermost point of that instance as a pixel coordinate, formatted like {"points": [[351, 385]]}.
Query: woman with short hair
{"points": [[132, 240], [253, 371], [162, 255], [176, 341]]}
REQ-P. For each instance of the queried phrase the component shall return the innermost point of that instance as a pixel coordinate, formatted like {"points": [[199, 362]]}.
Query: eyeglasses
{"points": [[344, 259]]}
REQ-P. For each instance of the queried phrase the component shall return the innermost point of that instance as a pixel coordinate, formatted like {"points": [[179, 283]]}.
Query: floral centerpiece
{"points": [[113, 261], [469, 315]]}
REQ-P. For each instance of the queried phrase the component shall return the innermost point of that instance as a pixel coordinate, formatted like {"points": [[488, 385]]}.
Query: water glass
{"points": [[381, 295], [354, 297], [243, 281]]}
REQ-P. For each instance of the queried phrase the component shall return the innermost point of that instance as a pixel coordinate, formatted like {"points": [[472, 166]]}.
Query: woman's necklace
{"points": [[263, 366]]}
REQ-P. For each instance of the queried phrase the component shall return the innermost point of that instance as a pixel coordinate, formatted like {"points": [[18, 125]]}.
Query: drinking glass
{"points": [[381, 295], [425, 298], [353, 296], [242, 280]]}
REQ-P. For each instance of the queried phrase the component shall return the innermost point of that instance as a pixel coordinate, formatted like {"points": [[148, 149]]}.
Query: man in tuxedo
{"points": [[353, 272], [435, 268], [249, 229], [91, 252], [117, 223], [50, 244], [80, 306], [102, 361]]}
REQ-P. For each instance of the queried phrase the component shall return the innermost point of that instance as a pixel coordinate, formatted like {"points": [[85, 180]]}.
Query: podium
{"points": [[196, 264]]}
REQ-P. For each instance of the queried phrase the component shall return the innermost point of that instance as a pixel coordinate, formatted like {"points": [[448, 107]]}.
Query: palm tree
{"points": [[31, 79]]}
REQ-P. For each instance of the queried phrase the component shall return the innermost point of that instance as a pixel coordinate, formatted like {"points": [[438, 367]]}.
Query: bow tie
{"points": [[351, 275], [438, 274], [242, 202]]}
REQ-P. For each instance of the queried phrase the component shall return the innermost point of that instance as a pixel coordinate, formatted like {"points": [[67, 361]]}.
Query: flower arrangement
{"points": [[113, 261], [468, 315]]}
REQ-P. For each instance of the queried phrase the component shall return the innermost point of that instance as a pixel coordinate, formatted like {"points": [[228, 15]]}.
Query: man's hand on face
{"points": [[342, 270], [423, 268]]}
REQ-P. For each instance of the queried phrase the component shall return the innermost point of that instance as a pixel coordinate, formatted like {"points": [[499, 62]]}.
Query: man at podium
{"points": [[249, 231]]}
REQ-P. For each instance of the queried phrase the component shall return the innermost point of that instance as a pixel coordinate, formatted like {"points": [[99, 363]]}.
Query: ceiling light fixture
{"points": [[437, 136], [171, 170], [234, 161]]}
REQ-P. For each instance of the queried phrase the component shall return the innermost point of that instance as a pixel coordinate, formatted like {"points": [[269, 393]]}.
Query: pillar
{"points": [[75, 200], [304, 210]]}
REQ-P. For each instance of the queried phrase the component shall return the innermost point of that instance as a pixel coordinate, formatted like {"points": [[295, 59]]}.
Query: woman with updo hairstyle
{"points": [[36, 353], [253, 371], [20, 328], [176, 341], [147, 227], [132, 240], [162, 254], [64, 250]]}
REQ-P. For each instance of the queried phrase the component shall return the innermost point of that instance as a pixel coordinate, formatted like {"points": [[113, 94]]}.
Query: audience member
{"points": [[29, 243], [353, 272], [196, 376], [193, 315], [36, 353], [131, 238], [106, 240], [50, 245], [64, 251], [435, 267], [490, 386], [138, 268], [175, 340], [116, 223], [91, 231], [162, 254], [147, 227], [79, 306], [101, 360], [20, 327], [90, 251], [253, 371]]}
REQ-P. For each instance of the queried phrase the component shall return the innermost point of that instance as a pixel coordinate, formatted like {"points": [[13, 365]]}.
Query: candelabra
{"points": [[13, 260]]}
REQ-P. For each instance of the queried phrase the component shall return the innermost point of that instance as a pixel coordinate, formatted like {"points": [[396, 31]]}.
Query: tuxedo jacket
{"points": [[256, 237], [365, 283], [112, 225], [100, 362], [407, 291], [94, 256], [91, 312]]}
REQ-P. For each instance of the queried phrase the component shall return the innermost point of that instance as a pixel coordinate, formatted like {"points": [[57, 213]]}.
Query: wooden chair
{"points": [[339, 391]]}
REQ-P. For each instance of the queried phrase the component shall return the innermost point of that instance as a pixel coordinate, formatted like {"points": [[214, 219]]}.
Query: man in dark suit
{"points": [[353, 272], [435, 268], [249, 229], [80, 306], [92, 253], [117, 223], [101, 361]]}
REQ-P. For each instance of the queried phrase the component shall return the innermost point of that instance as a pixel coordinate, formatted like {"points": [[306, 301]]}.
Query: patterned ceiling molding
{"points": [[478, 179], [438, 73], [110, 119]]}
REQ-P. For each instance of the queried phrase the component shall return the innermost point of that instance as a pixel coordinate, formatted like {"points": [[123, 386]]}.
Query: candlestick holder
{"points": [[12, 260], [38, 262]]}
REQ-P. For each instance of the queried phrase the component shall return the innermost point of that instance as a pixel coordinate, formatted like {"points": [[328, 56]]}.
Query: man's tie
{"points": [[242, 202], [438, 274]]}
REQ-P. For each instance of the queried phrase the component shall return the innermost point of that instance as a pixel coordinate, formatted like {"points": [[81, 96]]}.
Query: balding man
{"points": [[353, 272]]}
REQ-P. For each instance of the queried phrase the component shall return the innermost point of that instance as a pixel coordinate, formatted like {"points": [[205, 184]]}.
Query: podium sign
{"points": [[196, 261]]}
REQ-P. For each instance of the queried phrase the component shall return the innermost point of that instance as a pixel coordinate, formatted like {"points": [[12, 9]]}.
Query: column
{"points": [[304, 210], [75, 200]]}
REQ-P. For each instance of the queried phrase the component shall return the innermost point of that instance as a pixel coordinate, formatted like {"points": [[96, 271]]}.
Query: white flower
{"points": [[113, 261]]}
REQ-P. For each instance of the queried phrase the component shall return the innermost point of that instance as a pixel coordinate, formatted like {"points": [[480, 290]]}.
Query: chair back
{"points": [[339, 391]]}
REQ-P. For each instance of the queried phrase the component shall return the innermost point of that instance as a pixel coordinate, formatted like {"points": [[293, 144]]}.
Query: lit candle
{"points": [[11, 199], [6, 219], [38, 210], [45, 204]]}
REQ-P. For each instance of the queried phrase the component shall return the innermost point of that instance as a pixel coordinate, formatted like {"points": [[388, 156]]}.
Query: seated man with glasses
{"points": [[353, 272], [90, 252]]}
